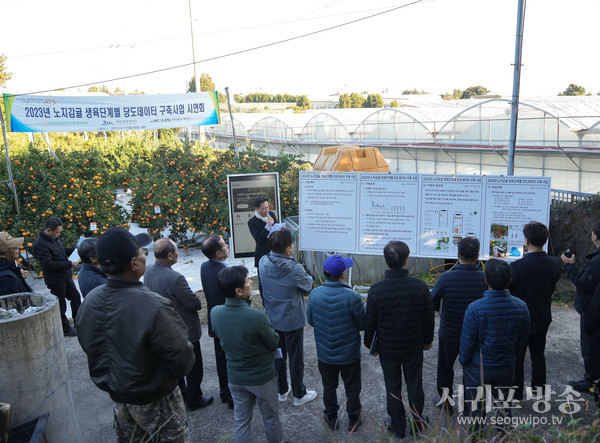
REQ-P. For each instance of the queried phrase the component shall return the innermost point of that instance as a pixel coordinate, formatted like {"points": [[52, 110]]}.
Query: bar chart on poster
{"points": [[352, 212]]}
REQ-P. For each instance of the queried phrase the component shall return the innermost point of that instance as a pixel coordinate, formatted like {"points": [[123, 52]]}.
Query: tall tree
{"points": [[344, 101], [4, 74], [356, 100], [573, 89], [302, 102], [373, 101]]}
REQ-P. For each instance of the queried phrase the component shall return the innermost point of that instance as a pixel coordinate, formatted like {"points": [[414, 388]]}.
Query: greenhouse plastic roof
{"points": [[576, 113]]}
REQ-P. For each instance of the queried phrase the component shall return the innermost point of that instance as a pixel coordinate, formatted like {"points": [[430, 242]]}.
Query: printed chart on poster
{"points": [[243, 189], [451, 208], [329, 215], [388, 210], [359, 213], [510, 203]]}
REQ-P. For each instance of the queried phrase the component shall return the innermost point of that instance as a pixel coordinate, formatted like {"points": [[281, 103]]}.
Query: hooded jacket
{"points": [[285, 283]]}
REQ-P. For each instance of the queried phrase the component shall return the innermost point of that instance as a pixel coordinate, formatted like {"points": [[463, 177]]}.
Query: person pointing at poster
{"points": [[260, 227]]}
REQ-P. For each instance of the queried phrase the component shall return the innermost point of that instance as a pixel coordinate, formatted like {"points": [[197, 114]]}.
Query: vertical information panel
{"points": [[328, 215], [388, 210], [451, 209], [243, 189], [510, 203]]}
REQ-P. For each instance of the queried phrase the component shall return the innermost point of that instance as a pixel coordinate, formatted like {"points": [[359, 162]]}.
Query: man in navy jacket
{"points": [[533, 280], [452, 294], [217, 251], [494, 333], [337, 314]]}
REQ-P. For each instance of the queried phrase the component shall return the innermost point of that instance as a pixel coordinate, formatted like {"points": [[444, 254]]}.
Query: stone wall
{"points": [[570, 228]]}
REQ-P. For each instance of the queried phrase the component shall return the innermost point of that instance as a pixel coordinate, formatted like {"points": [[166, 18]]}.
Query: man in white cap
{"points": [[338, 315], [11, 278]]}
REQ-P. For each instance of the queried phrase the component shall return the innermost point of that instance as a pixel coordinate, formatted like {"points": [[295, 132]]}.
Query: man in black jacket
{"points": [[136, 344], [533, 280], [260, 226], [451, 295], [400, 318], [54, 259], [11, 278], [217, 251], [585, 281]]}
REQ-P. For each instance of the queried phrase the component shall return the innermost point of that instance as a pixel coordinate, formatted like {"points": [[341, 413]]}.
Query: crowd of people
{"points": [[142, 340]]}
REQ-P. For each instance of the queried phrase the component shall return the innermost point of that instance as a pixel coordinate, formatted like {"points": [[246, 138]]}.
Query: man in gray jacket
{"points": [[163, 280], [136, 344], [285, 283]]}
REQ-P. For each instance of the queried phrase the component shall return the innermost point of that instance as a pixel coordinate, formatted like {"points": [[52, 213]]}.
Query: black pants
{"points": [[292, 344], [66, 291], [330, 375], [448, 351], [190, 385], [586, 351], [393, 367], [500, 381], [537, 348], [221, 362]]}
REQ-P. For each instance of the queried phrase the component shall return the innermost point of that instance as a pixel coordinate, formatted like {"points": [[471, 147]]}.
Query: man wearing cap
{"points": [[136, 343], [337, 314], [54, 259], [90, 275], [160, 278], [11, 279]]}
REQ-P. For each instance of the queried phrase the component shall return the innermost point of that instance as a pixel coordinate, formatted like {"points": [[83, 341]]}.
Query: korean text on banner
{"points": [[33, 113]]}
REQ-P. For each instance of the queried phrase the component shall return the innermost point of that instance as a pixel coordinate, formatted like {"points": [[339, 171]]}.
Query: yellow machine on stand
{"points": [[351, 158]]}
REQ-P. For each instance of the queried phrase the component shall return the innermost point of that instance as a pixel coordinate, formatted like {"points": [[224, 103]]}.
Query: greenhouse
{"points": [[557, 137]]}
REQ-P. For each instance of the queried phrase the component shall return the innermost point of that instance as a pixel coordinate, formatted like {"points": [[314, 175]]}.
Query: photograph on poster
{"points": [[243, 189]]}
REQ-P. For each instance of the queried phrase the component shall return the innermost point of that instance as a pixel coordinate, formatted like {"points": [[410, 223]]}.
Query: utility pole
{"points": [[11, 182], [514, 114], [235, 145], [197, 80]]}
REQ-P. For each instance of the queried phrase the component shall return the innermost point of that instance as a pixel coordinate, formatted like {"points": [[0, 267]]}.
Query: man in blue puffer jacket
{"points": [[338, 315], [495, 331]]}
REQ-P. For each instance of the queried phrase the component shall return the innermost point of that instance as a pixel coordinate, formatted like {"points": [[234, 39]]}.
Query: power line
{"points": [[242, 51], [181, 37]]}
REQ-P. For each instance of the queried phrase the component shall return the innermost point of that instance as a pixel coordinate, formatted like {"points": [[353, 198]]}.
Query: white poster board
{"points": [[329, 215], [358, 213], [388, 210]]}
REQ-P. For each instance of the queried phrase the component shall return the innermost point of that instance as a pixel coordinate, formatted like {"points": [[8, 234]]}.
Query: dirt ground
{"points": [[304, 424]]}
